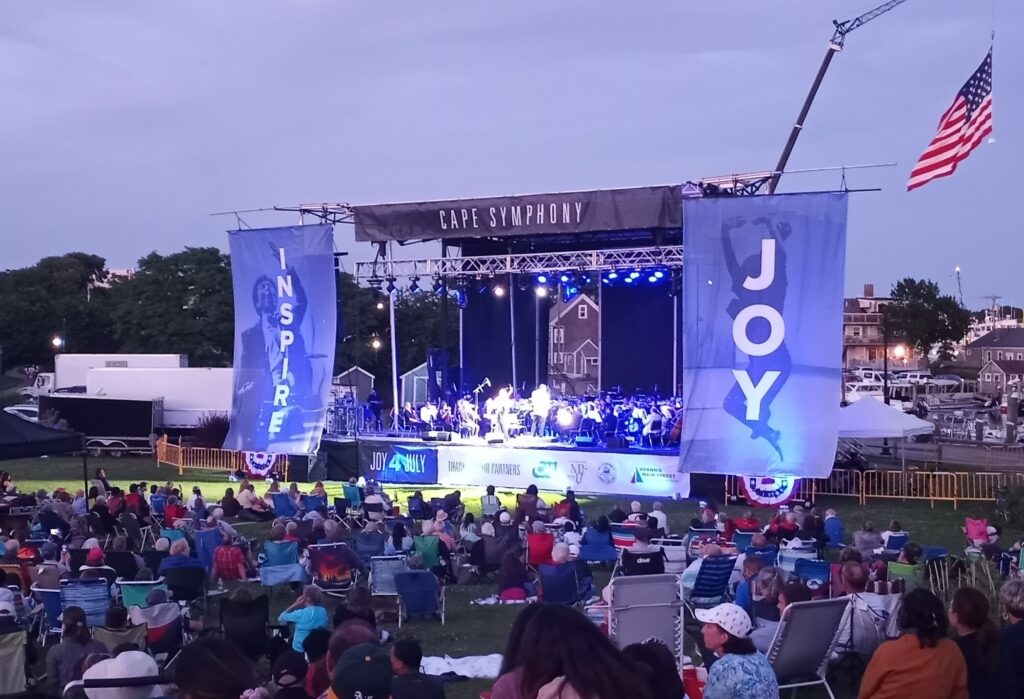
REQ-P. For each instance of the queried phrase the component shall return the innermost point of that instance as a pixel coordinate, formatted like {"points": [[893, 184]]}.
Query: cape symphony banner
{"points": [[391, 462], [285, 321], [762, 333], [558, 469]]}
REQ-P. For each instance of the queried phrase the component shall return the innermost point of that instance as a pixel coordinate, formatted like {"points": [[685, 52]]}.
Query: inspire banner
{"points": [[285, 322], [762, 333]]}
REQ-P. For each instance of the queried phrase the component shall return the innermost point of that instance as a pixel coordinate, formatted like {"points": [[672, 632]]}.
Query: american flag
{"points": [[961, 129]]}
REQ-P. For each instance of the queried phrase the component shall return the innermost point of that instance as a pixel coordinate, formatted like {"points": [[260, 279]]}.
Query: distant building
{"points": [[863, 338], [996, 374], [573, 354], [999, 344]]}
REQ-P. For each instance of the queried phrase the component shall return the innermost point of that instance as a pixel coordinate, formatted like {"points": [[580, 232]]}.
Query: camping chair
{"points": [[526, 508], [172, 534], [623, 535], [741, 540], [910, 576], [16, 576], [419, 594], [154, 558], [416, 508], [283, 505], [352, 494], [123, 563], [538, 548], [788, 559], [558, 584], [675, 554], [112, 638], [635, 563], [207, 541], [246, 625], [282, 564], [896, 542], [800, 651], [12, 663], [644, 607], [52, 610], [135, 531], [314, 502], [103, 572], [331, 570], [99, 529], [861, 630], [819, 572], [343, 513], [165, 630], [712, 583], [76, 559], [186, 584], [156, 508], [134, 594], [93, 596], [428, 547], [598, 553], [487, 509], [372, 508], [383, 570], [769, 554]]}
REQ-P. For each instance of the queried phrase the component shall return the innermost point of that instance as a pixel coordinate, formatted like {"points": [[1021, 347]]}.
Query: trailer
{"points": [[70, 370], [113, 426], [188, 394]]}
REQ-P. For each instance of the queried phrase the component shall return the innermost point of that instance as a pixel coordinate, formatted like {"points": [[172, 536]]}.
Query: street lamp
{"points": [[376, 344], [57, 342]]}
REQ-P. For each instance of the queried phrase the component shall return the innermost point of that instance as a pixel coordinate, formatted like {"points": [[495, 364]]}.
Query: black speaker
{"points": [[496, 439], [616, 442], [433, 436], [585, 440]]}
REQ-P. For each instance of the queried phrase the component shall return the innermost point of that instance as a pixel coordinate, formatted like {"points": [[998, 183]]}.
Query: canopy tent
{"points": [[872, 419], [20, 438]]}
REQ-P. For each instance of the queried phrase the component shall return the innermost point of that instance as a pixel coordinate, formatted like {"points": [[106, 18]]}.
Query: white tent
{"points": [[872, 419]]}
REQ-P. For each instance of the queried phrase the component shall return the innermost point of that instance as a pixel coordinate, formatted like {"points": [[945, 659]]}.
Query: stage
{"points": [[517, 464]]}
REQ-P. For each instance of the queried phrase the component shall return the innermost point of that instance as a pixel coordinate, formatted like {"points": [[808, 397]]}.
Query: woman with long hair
{"points": [[563, 655], [64, 661], [740, 671], [989, 665], [659, 665], [922, 663], [399, 542]]}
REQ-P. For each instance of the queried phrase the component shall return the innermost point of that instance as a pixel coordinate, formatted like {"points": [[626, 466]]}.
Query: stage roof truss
{"points": [[670, 256]]}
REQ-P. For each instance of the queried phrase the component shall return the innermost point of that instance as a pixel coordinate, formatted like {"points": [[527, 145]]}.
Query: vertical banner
{"points": [[285, 321], [762, 333]]}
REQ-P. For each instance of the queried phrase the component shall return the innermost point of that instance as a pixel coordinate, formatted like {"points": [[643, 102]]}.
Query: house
{"points": [[355, 382], [863, 336], [573, 350], [1000, 344], [996, 374]]}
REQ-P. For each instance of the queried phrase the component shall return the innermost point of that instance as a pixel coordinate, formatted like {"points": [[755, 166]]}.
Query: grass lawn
{"points": [[472, 630]]}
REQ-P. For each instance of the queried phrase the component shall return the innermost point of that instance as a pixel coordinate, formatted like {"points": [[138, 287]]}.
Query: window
{"points": [[988, 356], [969, 353], [581, 311], [999, 355], [988, 377], [1020, 356], [592, 361], [556, 357]]}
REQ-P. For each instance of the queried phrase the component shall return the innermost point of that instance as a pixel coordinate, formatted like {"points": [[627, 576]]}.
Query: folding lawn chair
{"points": [[15, 576], [134, 594], [112, 638], [156, 508], [154, 558], [12, 663], [331, 570], [675, 554], [50, 625], [123, 563], [186, 584], [315, 502], [416, 508], [815, 572], [419, 594], [282, 564], [559, 584], [79, 688], [246, 625], [135, 531], [896, 542], [99, 529], [598, 553], [911, 576], [93, 596], [283, 505], [76, 559], [352, 494], [383, 570], [741, 540], [165, 630], [787, 559], [636, 563], [712, 583], [207, 541], [769, 554], [623, 535], [802, 646], [644, 607], [487, 509]]}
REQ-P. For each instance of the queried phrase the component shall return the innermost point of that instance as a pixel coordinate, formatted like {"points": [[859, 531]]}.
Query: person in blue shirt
{"points": [[834, 529], [740, 671], [307, 613], [179, 558]]}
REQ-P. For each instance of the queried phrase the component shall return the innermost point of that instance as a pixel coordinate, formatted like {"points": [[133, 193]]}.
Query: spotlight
{"points": [[414, 285], [376, 282], [563, 417], [634, 275], [613, 274], [461, 299], [499, 290], [629, 280], [376, 344], [652, 279], [439, 286], [390, 288], [659, 274], [380, 305], [564, 278], [569, 292], [542, 279], [541, 291]]}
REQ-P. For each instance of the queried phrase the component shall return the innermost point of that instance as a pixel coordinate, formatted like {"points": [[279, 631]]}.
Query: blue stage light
{"points": [[613, 274], [542, 279], [634, 275], [659, 274], [629, 280], [564, 278], [652, 279]]}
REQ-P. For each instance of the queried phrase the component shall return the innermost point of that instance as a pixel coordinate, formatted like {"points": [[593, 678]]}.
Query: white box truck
{"points": [[70, 369], [188, 394]]}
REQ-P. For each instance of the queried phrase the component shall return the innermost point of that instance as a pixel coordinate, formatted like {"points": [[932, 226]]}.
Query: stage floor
{"points": [[522, 442]]}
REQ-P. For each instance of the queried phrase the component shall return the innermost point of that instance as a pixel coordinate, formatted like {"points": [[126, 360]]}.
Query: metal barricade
{"points": [[211, 459], [909, 485]]}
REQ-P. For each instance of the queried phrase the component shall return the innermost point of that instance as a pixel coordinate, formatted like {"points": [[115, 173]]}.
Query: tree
{"points": [[179, 303], [923, 318], [65, 296]]}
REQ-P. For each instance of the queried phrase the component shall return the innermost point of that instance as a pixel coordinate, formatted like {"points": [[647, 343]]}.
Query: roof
{"points": [[20, 438], [1000, 337], [574, 303], [1007, 366], [872, 419]]}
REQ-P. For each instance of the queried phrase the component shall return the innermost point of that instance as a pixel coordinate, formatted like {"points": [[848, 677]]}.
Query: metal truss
{"points": [[669, 256]]}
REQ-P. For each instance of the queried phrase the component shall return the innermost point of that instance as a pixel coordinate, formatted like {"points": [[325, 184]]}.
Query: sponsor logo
{"points": [[456, 466], [606, 473], [642, 474], [578, 469], [500, 469], [545, 470], [769, 491]]}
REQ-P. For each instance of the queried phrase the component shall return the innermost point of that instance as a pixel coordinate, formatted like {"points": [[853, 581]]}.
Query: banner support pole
{"points": [[394, 347], [512, 327]]}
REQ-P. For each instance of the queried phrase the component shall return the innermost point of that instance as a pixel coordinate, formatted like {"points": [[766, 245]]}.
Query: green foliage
{"points": [[923, 318], [1014, 499]]}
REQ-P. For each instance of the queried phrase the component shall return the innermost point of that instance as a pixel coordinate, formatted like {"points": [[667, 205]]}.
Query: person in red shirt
{"points": [[135, 503], [748, 522], [229, 562], [173, 510]]}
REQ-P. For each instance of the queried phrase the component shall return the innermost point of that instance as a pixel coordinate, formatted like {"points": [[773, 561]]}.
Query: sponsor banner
{"points": [[767, 491], [285, 319], [762, 344], [558, 469], [390, 462], [566, 212]]}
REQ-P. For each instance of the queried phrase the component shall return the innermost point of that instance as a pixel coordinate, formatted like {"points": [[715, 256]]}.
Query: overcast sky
{"points": [[125, 124]]}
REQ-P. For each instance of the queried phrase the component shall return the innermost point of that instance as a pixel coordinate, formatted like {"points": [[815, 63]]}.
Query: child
{"points": [[307, 613], [409, 683], [571, 538]]}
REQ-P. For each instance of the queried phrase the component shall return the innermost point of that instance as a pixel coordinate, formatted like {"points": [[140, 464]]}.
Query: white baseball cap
{"points": [[7, 608], [128, 664], [730, 617]]}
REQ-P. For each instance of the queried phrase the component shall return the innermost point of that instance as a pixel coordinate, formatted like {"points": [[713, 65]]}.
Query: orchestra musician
{"points": [[540, 408]]}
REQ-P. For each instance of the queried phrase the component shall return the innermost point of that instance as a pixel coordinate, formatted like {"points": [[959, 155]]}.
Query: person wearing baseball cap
{"points": [[740, 671], [8, 618], [363, 672]]}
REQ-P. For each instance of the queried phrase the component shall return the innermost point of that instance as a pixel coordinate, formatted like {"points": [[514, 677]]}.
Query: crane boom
{"points": [[834, 47]]}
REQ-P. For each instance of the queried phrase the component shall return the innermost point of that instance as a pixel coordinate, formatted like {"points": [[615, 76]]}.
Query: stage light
{"points": [[629, 280], [659, 274], [460, 298], [380, 305], [613, 274], [569, 292], [542, 279], [499, 290], [634, 275], [57, 342], [376, 344], [541, 291], [564, 278], [563, 417], [390, 288], [414, 285], [439, 286], [376, 282], [652, 279]]}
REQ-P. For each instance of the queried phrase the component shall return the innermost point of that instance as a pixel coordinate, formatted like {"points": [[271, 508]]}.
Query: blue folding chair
{"points": [[315, 502], [558, 584], [156, 507], [352, 494], [598, 553], [419, 594], [741, 540], [52, 610], [934, 553], [281, 553], [173, 534], [93, 596], [712, 583], [896, 542], [283, 505], [814, 571], [769, 554], [207, 541], [416, 508]]}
